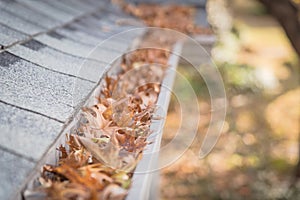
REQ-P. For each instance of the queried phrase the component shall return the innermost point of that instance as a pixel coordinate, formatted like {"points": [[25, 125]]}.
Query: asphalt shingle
{"points": [[29, 14], [18, 23], [103, 30], [97, 3], [48, 10], [78, 5], [50, 58], [74, 48], [12, 173], [64, 44], [9, 36], [66, 8], [19, 135], [107, 23], [49, 93], [81, 36], [81, 26]]}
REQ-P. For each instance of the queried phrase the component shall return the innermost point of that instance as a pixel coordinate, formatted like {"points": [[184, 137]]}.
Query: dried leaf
{"points": [[94, 116], [109, 155]]}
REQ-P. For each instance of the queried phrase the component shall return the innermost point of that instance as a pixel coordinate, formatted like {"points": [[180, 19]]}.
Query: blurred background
{"points": [[257, 155]]}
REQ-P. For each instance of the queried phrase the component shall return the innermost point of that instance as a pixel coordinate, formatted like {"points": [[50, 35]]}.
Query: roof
{"points": [[43, 47]]}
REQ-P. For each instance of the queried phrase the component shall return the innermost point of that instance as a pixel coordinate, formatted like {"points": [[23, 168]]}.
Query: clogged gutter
{"points": [[99, 157]]}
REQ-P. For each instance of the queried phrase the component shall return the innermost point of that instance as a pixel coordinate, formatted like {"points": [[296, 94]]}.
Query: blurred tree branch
{"points": [[287, 13]]}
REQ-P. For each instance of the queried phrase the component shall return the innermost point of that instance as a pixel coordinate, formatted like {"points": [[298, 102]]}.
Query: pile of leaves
{"points": [[101, 153], [176, 17]]}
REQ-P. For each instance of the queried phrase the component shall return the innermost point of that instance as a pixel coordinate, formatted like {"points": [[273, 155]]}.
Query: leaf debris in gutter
{"points": [[100, 156]]}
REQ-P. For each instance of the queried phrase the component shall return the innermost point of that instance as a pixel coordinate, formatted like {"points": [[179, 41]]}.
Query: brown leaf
{"points": [[94, 116], [109, 155]]}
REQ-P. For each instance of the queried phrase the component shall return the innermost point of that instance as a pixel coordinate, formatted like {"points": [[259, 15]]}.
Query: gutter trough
{"points": [[145, 177]]}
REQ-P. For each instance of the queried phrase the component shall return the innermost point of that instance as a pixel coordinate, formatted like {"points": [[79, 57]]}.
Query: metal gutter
{"points": [[145, 180]]}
